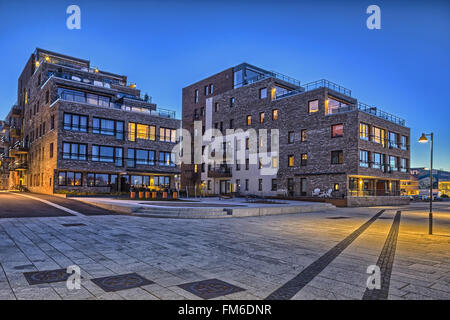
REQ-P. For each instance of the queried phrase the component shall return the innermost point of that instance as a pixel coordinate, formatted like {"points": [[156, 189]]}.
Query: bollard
{"points": [[153, 195], [141, 194], [165, 195], [147, 194], [132, 195], [175, 195]]}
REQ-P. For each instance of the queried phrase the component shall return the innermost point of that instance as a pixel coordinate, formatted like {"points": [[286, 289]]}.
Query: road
{"points": [[17, 205]]}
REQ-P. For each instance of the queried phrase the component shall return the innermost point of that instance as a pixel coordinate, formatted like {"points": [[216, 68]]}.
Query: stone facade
{"points": [[45, 129], [319, 171]]}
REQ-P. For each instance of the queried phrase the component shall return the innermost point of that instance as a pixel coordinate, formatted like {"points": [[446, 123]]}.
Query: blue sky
{"points": [[166, 45]]}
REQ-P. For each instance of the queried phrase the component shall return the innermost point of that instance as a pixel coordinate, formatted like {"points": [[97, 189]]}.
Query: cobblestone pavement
{"points": [[257, 256]]}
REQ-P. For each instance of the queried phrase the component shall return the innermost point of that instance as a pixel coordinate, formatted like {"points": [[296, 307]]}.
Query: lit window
{"points": [[249, 120], [290, 161], [261, 117], [364, 131], [337, 130], [313, 106], [275, 114], [304, 159], [274, 162], [303, 133]]}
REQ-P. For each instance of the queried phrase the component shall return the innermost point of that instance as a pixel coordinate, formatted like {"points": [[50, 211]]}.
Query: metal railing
{"points": [[323, 83], [380, 114], [373, 193]]}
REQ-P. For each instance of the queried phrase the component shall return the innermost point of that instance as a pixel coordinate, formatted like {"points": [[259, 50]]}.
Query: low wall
{"points": [[376, 201]]}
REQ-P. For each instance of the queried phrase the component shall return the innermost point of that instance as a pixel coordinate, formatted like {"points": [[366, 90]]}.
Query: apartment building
{"points": [[88, 130], [327, 139]]}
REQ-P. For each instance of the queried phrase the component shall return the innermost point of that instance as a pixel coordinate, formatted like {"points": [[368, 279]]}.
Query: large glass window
{"points": [[393, 140], [263, 93], [379, 136], [83, 97], [377, 160], [363, 158], [393, 163], [107, 154], [69, 178], [141, 131], [74, 151], [290, 161], [140, 156], [404, 142], [167, 135], [165, 159], [403, 165], [364, 131], [108, 127], [75, 122], [333, 106], [101, 180]]}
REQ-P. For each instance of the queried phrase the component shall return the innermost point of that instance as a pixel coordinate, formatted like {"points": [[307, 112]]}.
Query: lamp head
{"points": [[423, 138]]}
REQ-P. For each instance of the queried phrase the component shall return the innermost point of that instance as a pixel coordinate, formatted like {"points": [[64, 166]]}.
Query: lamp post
{"points": [[423, 139]]}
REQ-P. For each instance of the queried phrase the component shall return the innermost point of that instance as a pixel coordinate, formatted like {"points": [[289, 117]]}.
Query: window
{"points": [[68, 178], [303, 135], [336, 187], [274, 185], [274, 162], [51, 150], [211, 88], [363, 158], [261, 117], [313, 106], [101, 180], [165, 159], [336, 157], [260, 181], [108, 127], [75, 122], [263, 93], [246, 184], [379, 136], [231, 123], [209, 184], [238, 185], [290, 160], [216, 107], [247, 143], [275, 114], [337, 130], [376, 160], [52, 122], [393, 140], [167, 135], [334, 105], [290, 186], [291, 137], [249, 120], [247, 164], [47, 96], [304, 159], [232, 102], [403, 165], [140, 156], [206, 90], [74, 151], [141, 132], [83, 97], [404, 143], [107, 154], [364, 131], [393, 163], [196, 96]]}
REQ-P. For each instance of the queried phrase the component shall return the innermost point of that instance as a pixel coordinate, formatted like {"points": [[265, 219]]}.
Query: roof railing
{"points": [[380, 114]]}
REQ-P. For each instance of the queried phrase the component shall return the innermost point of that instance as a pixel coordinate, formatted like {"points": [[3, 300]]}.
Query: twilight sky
{"points": [[403, 69]]}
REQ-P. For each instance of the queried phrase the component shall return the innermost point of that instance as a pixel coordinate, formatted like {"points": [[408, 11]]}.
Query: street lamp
{"points": [[423, 139]]}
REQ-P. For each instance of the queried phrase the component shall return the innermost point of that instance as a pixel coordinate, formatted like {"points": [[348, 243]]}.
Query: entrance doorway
{"points": [[224, 186]]}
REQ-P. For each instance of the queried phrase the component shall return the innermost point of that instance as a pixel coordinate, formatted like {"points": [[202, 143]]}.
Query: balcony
{"points": [[18, 148], [18, 166], [16, 112], [323, 83], [380, 114], [220, 172]]}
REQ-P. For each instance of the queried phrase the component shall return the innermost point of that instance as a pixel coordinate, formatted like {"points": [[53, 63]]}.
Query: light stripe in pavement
{"points": [[76, 213]]}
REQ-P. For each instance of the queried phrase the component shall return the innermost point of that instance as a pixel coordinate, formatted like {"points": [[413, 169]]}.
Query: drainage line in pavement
{"points": [[385, 262], [290, 288]]}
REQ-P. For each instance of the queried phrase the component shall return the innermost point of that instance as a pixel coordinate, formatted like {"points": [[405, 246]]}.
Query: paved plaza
{"points": [[317, 255]]}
